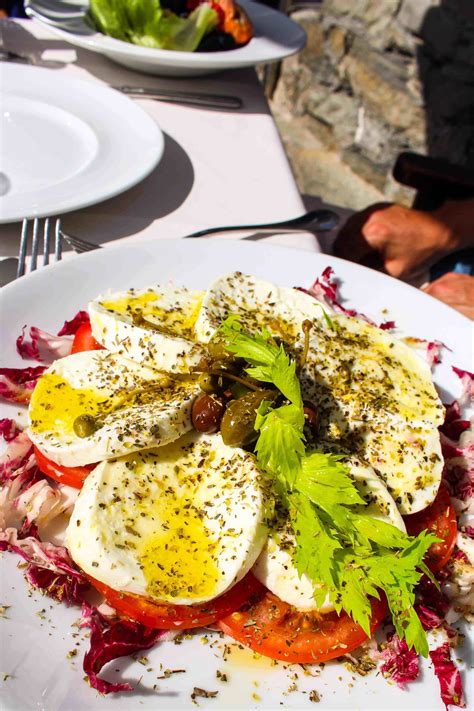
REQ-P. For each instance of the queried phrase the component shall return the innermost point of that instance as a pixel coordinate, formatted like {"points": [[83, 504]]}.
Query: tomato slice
{"points": [[178, 617], [439, 518], [275, 629], [84, 340], [72, 476]]}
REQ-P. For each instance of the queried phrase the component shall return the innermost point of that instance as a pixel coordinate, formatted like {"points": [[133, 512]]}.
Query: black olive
{"points": [[206, 413]]}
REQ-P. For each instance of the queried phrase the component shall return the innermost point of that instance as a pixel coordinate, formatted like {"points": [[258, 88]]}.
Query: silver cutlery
{"points": [[8, 56], [75, 22], [60, 10], [313, 221], [40, 232], [220, 101], [77, 244]]}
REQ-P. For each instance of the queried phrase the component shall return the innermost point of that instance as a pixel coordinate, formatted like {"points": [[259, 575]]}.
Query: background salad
{"points": [[181, 25]]}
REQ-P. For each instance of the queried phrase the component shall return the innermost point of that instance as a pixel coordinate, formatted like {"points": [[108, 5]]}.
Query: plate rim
{"points": [[163, 243], [90, 89]]}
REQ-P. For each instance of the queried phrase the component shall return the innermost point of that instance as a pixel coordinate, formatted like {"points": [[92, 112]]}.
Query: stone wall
{"points": [[377, 77]]}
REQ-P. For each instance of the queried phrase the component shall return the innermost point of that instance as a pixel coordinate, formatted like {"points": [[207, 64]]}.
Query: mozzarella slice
{"points": [[152, 326], [259, 304], [180, 524], [133, 407], [373, 394], [275, 568], [375, 398]]}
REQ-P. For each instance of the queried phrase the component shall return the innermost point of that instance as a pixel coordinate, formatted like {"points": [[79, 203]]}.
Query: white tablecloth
{"points": [[218, 167]]}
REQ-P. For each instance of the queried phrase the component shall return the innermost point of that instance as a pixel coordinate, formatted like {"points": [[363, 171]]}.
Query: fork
{"points": [[77, 244], [36, 234], [313, 221]]}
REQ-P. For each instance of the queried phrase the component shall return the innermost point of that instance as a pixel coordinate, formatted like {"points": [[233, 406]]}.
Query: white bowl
{"points": [[275, 36]]}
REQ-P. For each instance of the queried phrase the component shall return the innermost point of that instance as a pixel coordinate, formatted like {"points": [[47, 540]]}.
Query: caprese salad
{"points": [[250, 456]]}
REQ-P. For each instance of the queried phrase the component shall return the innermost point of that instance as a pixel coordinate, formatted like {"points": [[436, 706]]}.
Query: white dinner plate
{"points": [[276, 36], [67, 143], [36, 644]]}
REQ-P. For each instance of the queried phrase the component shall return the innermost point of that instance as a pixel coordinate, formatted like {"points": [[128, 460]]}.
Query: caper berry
{"points": [[217, 350], [85, 425], [238, 422], [208, 383]]}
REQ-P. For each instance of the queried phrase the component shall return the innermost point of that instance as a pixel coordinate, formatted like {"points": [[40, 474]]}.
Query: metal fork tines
{"points": [[40, 232], [77, 244]]}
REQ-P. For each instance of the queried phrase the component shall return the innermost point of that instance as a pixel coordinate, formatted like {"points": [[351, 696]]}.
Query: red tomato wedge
{"points": [[84, 340], [439, 518], [72, 476], [275, 629], [179, 617]]}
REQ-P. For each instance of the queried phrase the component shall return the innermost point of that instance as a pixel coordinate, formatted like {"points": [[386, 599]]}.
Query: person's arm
{"points": [[403, 241], [455, 290]]}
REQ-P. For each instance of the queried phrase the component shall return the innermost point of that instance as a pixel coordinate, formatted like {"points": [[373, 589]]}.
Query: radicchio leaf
{"points": [[111, 639], [30, 497], [468, 531], [461, 556], [458, 455], [432, 349], [64, 588], [17, 384], [431, 598], [70, 327], [428, 618], [17, 455], [401, 664], [453, 425], [8, 429], [448, 676], [457, 444], [325, 289], [460, 480], [467, 380], [61, 580], [42, 346]]}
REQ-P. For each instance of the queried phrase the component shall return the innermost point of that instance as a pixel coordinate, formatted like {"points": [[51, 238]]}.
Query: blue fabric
{"points": [[460, 262], [14, 8]]}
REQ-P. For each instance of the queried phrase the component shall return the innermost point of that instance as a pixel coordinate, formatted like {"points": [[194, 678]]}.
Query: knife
{"points": [[215, 101]]}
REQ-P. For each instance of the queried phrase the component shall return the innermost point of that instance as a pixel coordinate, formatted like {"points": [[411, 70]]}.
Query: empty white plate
{"points": [[66, 143]]}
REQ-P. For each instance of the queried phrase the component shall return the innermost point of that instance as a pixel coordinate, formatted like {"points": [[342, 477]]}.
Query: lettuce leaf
{"points": [[146, 23]]}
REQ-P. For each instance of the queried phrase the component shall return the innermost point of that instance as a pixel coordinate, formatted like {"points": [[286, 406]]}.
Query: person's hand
{"points": [[456, 290], [395, 239]]}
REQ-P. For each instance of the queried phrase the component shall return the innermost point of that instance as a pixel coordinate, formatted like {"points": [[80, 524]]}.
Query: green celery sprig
{"points": [[348, 555]]}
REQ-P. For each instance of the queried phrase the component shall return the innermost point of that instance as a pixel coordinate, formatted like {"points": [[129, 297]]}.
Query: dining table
{"points": [[219, 167]]}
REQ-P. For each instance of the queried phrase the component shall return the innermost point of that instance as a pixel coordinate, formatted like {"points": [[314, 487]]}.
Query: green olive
{"points": [[238, 422], [208, 383], [217, 350], [85, 425]]}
